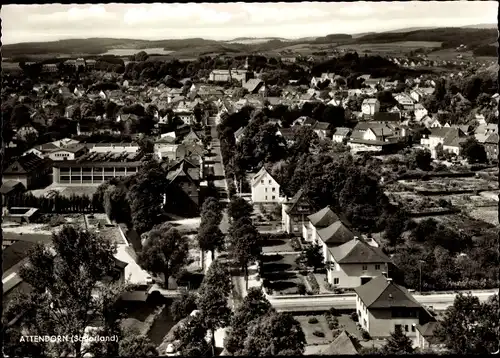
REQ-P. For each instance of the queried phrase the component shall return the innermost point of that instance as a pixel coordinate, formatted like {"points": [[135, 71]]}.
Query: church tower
{"points": [[246, 64]]}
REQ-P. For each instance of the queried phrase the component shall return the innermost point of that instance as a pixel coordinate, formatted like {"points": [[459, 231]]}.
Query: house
{"points": [[439, 136], [288, 135], [316, 221], [192, 138], [31, 170], [10, 189], [253, 85], [321, 129], [491, 146], [239, 134], [419, 93], [420, 112], [370, 106], [26, 131], [333, 235], [315, 81], [265, 189], [383, 305], [355, 263], [405, 101], [374, 82], [304, 121], [69, 152], [425, 336], [295, 211], [344, 344], [185, 176], [341, 134]]}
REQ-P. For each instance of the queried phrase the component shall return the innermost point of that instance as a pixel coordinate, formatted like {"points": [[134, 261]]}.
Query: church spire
{"points": [[246, 63]]}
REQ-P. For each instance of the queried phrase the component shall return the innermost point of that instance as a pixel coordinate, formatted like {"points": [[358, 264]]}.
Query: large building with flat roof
{"points": [[96, 168]]}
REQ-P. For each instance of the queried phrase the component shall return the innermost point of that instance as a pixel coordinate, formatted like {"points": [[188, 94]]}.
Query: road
{"points": [[304, 304]]}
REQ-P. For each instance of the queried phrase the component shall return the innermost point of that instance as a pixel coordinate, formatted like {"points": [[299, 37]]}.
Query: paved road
{"points": [[437, 301]]}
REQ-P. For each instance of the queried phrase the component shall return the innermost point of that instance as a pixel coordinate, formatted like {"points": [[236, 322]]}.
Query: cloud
{"points": [[357, 10]]}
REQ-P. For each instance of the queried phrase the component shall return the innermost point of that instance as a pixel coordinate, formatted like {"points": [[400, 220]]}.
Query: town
{"points": [[249, 204]]}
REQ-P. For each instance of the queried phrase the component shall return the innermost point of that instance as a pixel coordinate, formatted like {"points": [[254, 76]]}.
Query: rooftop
{"points": [[358, 251]]}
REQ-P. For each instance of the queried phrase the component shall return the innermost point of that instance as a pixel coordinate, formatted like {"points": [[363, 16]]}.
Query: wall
{"points": [[349, 275], [91, 175], [263, 192], [381, 324]]}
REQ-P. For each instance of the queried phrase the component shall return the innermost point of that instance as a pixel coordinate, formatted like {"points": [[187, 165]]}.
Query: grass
{"points": [[279, 263], [277, 245], [310, 328], [284, 283]]}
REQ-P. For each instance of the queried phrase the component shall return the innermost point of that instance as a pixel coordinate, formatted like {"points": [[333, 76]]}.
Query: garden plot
{"points": [[315, 329], [450, 184]]}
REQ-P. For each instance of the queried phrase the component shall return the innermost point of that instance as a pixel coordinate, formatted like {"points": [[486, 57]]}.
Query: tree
{"points": [[395, 225], [274, 334], [137, 346], [421, 159], [474, 151], [66, 296], [183, 305], [116, 204], [244, 243], [312, 256], [166, 251], [210, 238], [398, 343], [254, 306], [469, 327], [213, 298], [211, 211], [192, 337], [239, 208]]}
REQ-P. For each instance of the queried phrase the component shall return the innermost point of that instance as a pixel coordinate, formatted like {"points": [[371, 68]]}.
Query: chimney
{"points": [[390, 281]]}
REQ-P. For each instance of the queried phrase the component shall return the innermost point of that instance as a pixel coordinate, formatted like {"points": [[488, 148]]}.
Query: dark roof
{"points": [[335, 234], [358, 251], [15, 253], [27, 164], [383, 293], [298, 197], [322, 126], [252, 84], [386, 117], [342, 131], [427, 329], [287, 133], [492, 139], [323, 218], [106, 159], [343, 344], [10, 185]]}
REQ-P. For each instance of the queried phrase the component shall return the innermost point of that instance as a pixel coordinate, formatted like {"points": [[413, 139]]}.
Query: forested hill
{"points": [[449, 36]]}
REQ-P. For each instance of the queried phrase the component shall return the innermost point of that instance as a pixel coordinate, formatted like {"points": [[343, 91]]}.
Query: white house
{"points": [[265, 189], [370, 106], [341, 134], [404, 100], [420, 112], [319, 220], [70, 152], [382, 306]]}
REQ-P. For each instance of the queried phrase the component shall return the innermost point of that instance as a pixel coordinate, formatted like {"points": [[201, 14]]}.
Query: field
{"points": [[391, 47]]}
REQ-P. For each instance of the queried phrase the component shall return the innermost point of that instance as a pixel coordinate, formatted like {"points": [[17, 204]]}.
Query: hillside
{"points": [[450, 37]]}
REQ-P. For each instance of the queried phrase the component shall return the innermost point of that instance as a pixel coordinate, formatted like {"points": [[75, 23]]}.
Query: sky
{"points": [[225, 21]]}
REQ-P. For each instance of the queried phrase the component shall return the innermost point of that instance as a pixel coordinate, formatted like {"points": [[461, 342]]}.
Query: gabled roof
{"points": [[335, 234], [10, 185], [295, 200], [239, 132], [252, 84], [323, 218], [342, 345], [383, 293], [342, 131], [26, 164], [427, 329], [386, 117], [492, 139], [370, 101], [322, 126], [358, 251], [257, 177]]}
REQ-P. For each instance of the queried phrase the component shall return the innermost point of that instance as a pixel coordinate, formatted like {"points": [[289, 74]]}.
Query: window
{"points": [[377, 267], [413, 328], [365, 267], [396, 326], [266, 190], [336, 281], [266, 197], [274, 189], [262, 181], [406, 328], [274, 197], [269, 181]]}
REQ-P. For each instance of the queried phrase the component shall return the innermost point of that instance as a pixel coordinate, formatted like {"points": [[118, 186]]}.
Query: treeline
{"points": [[57, 204], [486, 50]]}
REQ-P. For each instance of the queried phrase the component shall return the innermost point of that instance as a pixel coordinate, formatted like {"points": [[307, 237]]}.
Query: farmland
{"points": [[391, 47], [132, 51]]}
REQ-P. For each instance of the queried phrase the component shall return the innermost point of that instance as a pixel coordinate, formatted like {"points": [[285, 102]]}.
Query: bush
{"points": [[295, 243], [366, 336], [336, 333], [354, 316], [301, 288], [318, 334], [313, 320], [333, 311]]}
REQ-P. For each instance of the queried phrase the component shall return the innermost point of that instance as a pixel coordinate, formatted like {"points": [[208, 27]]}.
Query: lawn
{"points": [[309, 328], [279, 263], [276, 245], [284, 283]]}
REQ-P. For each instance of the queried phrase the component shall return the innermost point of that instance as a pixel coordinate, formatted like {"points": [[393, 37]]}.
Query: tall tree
{"points": [[137, 346], [211, 211], [244, 243], [183, 305], [254, 306], [398, 343], [469, 327], [210, 238], [474, 151], [66, 296], [239, 208], [213, 298], [165, 252], [312, 256], [191, 337], [275, 334]]}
